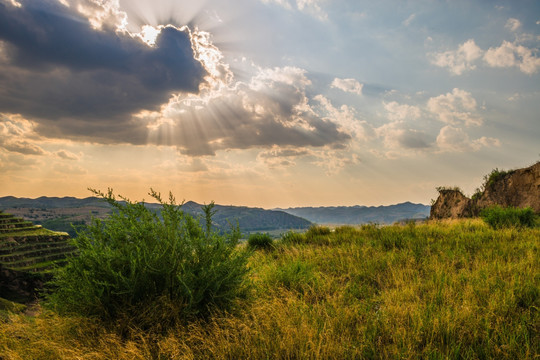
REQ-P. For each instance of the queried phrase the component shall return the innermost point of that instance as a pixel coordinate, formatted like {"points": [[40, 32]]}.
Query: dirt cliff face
{"points": [[451, 204], [517, 188]]}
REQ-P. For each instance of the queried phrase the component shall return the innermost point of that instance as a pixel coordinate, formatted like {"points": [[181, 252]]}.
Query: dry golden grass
{"points": [[442, 290]]}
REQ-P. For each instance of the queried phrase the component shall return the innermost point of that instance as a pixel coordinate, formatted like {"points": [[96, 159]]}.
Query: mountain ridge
{"points": [[359, 214]]}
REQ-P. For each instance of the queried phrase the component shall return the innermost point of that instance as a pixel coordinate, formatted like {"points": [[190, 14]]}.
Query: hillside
{"points": [[352, 215], [27, 254], [59, 214]]}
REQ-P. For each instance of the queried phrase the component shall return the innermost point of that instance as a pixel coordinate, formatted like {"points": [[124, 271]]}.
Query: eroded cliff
{"points": [[517, 188]]}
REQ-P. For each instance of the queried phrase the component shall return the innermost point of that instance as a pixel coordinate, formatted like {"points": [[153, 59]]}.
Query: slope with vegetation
{"points": [[27, 254], [454, 289]]}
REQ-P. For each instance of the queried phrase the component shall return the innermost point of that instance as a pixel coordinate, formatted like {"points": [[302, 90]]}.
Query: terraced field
{"points": [[30, 248], [28, 253]]}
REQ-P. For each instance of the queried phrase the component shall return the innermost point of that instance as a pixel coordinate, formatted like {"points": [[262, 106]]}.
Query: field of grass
{"points": [[439, 290]]}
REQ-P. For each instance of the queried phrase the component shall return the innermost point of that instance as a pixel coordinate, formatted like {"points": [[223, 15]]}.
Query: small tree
{"points": [[151, 269]]}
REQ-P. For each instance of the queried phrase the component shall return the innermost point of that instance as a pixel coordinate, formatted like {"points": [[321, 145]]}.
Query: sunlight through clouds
{"points": [[246, 98]]}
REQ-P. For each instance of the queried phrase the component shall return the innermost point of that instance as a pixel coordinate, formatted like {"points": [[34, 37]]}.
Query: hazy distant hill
{"points": [[361, 214], [250, 219], [59, 213]]}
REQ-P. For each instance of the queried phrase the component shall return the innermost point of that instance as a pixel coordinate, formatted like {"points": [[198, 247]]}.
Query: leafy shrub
{"points": [[318, 235], [150, 269], [318, 230], [489, 180], [260, 241], [292, 238], [442, 189], [494, 176], [498, 217]]}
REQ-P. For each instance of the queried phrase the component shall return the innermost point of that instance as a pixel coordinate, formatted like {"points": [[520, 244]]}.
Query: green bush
{"points": [[498, 217], [292, 238], [260, 241], [317, 230], [150, 269]]}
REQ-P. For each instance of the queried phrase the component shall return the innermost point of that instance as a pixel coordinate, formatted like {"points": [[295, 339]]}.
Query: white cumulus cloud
{"points": [[513, 55], [457, 107], [348, 85], [455, 139], [460, 60]]}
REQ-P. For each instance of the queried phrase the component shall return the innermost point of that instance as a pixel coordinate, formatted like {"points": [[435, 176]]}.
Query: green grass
{"points": [[445, 290], [30, 232]]}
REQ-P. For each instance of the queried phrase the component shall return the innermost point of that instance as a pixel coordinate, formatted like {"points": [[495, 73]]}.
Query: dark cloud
{"points": [[247, 117], [413, 139], [22, 147], [74, 81], [82, 82]]}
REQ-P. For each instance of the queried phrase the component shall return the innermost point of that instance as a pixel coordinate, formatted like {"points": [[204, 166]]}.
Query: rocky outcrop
{"points": [[517, 188], [451, 203]]}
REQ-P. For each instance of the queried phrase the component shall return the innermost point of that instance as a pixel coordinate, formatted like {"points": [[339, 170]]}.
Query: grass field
{"points": [[456, 290]]}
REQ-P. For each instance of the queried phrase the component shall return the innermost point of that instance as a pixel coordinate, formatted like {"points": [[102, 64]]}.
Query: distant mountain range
{"points": [[353, 215], [60, 213]]}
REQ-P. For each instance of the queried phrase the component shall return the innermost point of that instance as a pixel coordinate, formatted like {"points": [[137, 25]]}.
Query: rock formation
{"points": [[516, 188]]}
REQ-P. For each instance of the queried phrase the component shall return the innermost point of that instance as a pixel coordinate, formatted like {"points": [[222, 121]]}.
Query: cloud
{"points": [[457, 107], [456, 140], [79, 82], [401, 112], [346, 118], [278, 157], [272, 109], [311, 7], [67, 155], [508, 54], [23, 147], [348, 85], [513, 55], [513, 24], [397, 135], [409, 20], [406, 134], [16, 136], [460, 60]]}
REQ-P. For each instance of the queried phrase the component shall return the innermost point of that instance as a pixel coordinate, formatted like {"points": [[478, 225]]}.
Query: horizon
{"points": [[217, 204], [266, 103]]}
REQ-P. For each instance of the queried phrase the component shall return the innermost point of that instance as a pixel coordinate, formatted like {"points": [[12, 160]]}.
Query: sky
{"points": [[266, 103]]}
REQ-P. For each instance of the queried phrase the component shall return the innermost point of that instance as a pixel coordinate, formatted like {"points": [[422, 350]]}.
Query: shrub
{"points": [[498, 217], [150, 269], [318, 235], [442, 189], [291, 237], [260, 241], [318, 230]]}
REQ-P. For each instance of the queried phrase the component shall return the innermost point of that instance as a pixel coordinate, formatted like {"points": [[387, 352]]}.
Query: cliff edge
{"points": [[518, 188]]}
